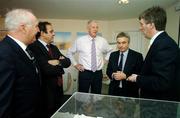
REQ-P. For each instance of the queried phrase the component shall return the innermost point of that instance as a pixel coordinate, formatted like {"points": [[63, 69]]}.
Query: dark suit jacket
{"points": [[19, 82], [50, 73], [177, 87], [132, 66], [157, 78]]}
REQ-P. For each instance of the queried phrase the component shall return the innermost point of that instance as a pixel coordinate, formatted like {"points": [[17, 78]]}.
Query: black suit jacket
{"points": [[19, 82], [42, 56], [50, 73], [132, 66], [157, 78]]}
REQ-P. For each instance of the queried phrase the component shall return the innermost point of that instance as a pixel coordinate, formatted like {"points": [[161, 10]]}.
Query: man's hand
{"points": [[79, 67], [54, 62], [60, 81], [119, 75], [61, 57], [132, 78]]}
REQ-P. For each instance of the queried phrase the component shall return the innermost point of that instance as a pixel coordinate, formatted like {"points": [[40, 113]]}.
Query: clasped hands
{"points": [[132, 78], [119, 75], [55, 62]]}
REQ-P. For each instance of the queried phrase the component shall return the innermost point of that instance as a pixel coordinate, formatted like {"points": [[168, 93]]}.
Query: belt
{"points": [[92, 71]]}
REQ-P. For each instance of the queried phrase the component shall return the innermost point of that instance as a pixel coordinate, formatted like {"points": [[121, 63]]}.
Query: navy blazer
{"points": [[157, 78], [19, 82], [132, 65], [49, 72]]}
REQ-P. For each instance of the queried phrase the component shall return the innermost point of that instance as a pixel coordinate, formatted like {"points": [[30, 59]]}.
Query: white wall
{"points": [[172, 26], [75, 26], [131, 26]]}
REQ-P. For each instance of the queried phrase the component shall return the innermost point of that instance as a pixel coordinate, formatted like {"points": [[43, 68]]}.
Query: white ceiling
{"points": [[84, 9]]}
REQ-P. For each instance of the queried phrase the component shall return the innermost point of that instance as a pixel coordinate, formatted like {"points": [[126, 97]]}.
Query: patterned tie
{"points": [[120, 63], [93, 56]]}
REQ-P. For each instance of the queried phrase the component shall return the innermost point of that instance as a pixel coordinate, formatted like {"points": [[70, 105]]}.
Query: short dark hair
{"points": [[123, 34], [156, 15], [42, 28]]}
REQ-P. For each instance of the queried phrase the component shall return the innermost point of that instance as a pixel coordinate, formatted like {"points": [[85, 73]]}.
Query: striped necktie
{"points": [[93, 56]]}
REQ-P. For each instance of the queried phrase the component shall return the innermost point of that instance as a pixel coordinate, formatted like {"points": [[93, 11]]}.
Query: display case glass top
{"points": [[87, 105]]}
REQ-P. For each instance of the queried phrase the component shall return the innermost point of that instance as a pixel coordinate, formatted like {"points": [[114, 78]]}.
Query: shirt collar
{"points": [[21, 44], [154, 37], [43, 42], [91, 37], [124, 53]]}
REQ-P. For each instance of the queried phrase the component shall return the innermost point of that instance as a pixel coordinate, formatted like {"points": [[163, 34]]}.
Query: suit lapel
{"points": [[127, 61], [116, 60], [18, 50], [153, 46], [42, 48]]}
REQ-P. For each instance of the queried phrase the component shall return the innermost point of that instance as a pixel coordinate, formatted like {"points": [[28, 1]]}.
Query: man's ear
{"points": [[152, 25], [42, 33], [22, 27]]}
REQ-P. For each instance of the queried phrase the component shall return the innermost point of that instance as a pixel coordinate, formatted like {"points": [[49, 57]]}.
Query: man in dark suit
{"points": [[157, 78], [51, 62], [123, 63], [19, 74]]}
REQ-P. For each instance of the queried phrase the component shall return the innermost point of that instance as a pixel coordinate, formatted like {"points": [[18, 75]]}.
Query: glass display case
{"points": [[87, 105]]}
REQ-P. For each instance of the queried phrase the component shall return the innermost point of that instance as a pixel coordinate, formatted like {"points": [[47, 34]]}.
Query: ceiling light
{"points": [[123, 1]]}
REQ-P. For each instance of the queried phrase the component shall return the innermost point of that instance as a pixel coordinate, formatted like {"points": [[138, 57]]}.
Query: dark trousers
{"points": [[89, 79], [52, 96], [114, 89]]}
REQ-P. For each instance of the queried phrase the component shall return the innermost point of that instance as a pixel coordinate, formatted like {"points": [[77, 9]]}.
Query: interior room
{"points": [[69, 19]]}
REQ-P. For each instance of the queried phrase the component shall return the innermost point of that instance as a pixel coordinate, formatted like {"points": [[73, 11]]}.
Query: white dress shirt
{"points": [[44, 44], [82, 46], [22, 45]]}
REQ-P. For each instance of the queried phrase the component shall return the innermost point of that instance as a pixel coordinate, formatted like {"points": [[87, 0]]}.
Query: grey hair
{"points": [[123, 34], [90, 21], [16, 17]]}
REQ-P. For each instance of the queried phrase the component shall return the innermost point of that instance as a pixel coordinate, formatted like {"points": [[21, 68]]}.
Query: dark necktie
{"points": [[120, 63], [120, 67], [59, 78], [30, 54], [49, 50], [33, 60]]}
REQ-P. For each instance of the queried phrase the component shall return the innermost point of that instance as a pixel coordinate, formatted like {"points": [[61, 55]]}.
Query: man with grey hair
{"points": [[91, 49], [19, 73], [123, 63]]}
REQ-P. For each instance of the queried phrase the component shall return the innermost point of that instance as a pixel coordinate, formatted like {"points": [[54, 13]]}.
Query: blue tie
{"points": [[93, 56]]}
